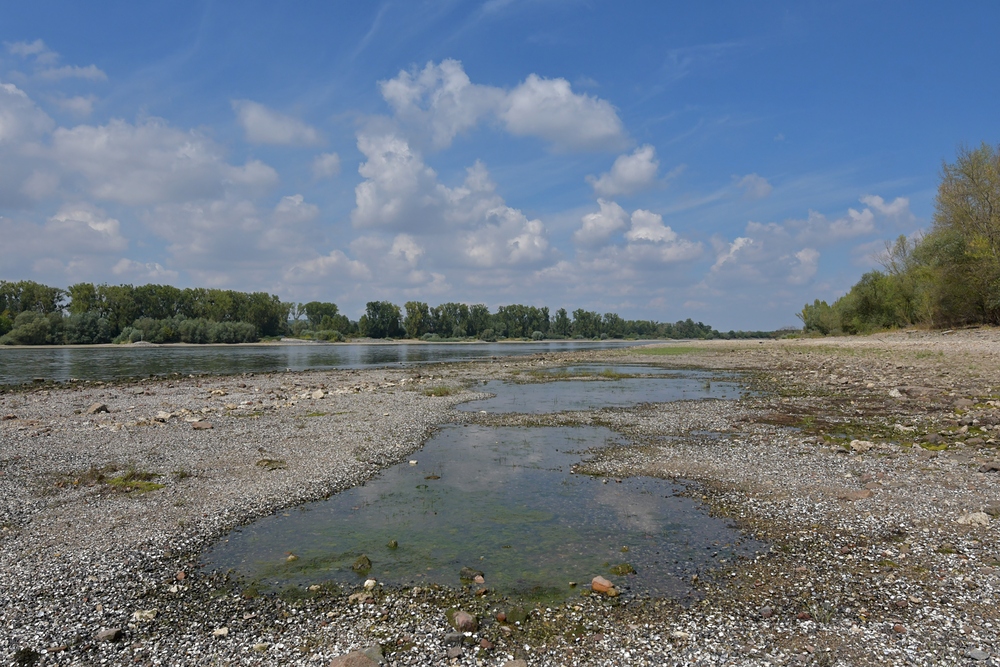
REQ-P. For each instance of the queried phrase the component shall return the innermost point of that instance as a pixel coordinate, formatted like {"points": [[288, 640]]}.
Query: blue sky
{"points": [[724, 161]]}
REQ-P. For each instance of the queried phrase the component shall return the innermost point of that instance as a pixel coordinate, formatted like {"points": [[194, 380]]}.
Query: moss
{"points": [[440, 390], [272, 464]]}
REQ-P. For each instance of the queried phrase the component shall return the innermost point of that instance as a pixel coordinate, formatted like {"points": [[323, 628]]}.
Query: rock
{"points": [[468, 574], [144, 614], [992, 466], [601, 585], [899, 629], [855, 494], [501, 617], [201, 426], [485, 644], [895, 393], [974, 519], [861, 446], [370, 584], [393, 544], [360, 597], [977, 654], [451, 638], [109, 635], [766, 612], [962, 404], [479, 579], [318, 394], [180, 576], [354, 659], [261, 647], [515, 663], [463, 621], [362, 564], [454, 652], [220, 632], [162, 416], [96, 408]]}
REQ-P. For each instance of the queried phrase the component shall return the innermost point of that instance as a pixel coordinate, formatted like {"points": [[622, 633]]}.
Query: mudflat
{"points": [[869, 465]]}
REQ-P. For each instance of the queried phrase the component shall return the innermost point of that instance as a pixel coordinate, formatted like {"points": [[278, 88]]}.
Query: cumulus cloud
{"points": [[262, 125], [629, 173], [548, 108], [326, 165], [598, 227], [898, 209], [754, 186], [441, 101], [151, 162], [85, 221], [294, 209], [21, 120], [335, 265], [507, 237]]}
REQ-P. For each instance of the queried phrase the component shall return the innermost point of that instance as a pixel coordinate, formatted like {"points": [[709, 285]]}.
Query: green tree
{"points": [[381, 320], [418, 319], [316, 310], [561, 325]]}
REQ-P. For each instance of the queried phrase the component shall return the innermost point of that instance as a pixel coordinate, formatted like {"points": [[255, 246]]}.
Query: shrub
{"points": [[537, 335], [488, 336]]}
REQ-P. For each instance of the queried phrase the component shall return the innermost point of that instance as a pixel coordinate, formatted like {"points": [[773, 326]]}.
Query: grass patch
{"points": [[316, 414], [133, 480], [440, 390], [130, 480], [668, 350], [272, 464]]}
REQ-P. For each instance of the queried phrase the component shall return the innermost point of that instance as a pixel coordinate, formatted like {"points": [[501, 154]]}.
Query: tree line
{"points": [[949, 276], [36, 314]]}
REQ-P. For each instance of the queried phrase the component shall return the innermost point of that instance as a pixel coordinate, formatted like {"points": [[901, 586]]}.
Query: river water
{"points": [[22, 365]]}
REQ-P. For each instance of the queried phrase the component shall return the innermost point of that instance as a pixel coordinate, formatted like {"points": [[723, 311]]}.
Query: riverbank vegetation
{"points": [[948, 277], [36, 314]]}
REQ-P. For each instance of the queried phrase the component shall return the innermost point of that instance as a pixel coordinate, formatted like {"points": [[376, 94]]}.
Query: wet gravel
{"points": [[865, 464]]}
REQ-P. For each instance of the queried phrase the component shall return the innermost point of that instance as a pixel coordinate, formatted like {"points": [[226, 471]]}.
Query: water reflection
{"points": [[500, 500], [598, 392], [22, 365]]}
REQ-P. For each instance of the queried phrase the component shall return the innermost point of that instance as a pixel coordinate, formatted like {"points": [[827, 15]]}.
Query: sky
{"points": [[723, 161]]}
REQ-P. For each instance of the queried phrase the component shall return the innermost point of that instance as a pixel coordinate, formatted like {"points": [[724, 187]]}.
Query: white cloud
{"points": [[83, 220], [335, 265], [266, 126], [406, 249], [506, 238], [731, 251], [151, 163], [441, 99], [21, 120], [648, 226], [898, 209], [80, 105], [293, 209], [442, 102], [629, 173], [90, 72], [326, 165], [754, 186], [45, 60], [807, 263], [548, 108], [598, 227], [128, 270]]}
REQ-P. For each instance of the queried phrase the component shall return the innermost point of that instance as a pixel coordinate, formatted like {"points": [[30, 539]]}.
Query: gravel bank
{"points": [[859, 460]]}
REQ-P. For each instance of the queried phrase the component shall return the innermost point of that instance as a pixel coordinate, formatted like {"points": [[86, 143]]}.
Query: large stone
{"points": [[468, 574], [992, 466], [362, 564], [354, 659], [201, 426], [463, 621], [601, 585], [97, 407], [109, 635], [974, 519], [515, 663]]}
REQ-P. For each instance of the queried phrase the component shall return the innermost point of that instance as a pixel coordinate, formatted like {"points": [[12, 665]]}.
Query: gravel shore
{"points": [[870, 465]]}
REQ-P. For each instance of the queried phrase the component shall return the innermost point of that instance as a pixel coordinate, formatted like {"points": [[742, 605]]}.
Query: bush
{"points": [[537, 335], [430, 337], [33, 328], [6, 324], [488, 336], [329, 335]]}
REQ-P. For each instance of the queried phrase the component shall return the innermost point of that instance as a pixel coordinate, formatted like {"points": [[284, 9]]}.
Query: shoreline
{"points": [[865, 538]]}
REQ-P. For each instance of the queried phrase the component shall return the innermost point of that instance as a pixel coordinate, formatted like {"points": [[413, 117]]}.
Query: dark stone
{"points": [[463, 621], [455, 652], [992, 466], [362, 564], [96, 408], [453, 638], [766, 612], [468, 574]]}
